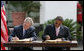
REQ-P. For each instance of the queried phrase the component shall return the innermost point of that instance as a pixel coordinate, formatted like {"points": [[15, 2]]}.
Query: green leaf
{"points": [[26, 6]]}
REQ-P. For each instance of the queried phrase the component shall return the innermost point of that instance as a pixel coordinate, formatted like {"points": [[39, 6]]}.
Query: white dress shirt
{"points": [[23, 31], [57, 30]]}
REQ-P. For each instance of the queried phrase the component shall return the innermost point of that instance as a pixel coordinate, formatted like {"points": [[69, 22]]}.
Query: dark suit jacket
{"points": [[51, 31], [18, 31]]}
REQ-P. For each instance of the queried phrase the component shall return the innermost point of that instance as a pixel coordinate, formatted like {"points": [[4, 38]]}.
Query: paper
{"points": [[73, 41], [23, 40], [56, 41], [36, 41]]}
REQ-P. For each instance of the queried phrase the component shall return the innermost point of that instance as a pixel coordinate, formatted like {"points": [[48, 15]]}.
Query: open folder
{"points": [[57, 41], [22, 40]]}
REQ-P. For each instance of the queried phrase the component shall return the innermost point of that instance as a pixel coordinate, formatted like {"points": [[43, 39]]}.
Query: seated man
{"points": [[56, 30], [24, 31]]}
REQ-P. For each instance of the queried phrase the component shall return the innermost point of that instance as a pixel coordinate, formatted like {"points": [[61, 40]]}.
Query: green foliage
{"points": [[48, 22], [41, 33], [73, 27], [25, 6]]}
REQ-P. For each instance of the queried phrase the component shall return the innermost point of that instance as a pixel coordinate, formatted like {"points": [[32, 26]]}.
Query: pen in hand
{"points": [[15, 38]]}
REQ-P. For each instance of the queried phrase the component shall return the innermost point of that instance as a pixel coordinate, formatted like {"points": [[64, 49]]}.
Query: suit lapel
{"points": [[21, 31], [60, 31], [54, 30]]}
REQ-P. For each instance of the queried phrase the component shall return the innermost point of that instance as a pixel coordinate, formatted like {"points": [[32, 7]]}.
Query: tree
{"points": [[25, 6]]}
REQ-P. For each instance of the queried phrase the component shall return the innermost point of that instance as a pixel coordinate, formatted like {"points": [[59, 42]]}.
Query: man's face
{"points": [[58, 23], [26, 25]]}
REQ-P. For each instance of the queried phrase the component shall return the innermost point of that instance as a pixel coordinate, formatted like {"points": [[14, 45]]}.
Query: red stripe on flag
{"points": [[4, 30], [3, 11], [3, 35], [4, 22], [2, 47], [2, 17]]}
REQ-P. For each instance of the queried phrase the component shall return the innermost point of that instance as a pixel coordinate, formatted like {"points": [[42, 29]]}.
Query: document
{"points": [[23, 40], [59, 40]]}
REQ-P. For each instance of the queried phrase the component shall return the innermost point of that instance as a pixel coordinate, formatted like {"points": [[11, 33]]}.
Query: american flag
{"points": [[4, 31]]}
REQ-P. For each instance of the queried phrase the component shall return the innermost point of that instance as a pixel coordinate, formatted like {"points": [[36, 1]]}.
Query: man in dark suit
{"points": [[24, 31], [56, 30]]}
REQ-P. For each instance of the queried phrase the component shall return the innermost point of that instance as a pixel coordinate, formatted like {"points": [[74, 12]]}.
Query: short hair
{"points": [[59, 18], [28, 19]]}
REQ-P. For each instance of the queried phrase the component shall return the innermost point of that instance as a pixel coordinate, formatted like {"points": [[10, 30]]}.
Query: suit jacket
{"points": [[51, 31], [18, 31]]}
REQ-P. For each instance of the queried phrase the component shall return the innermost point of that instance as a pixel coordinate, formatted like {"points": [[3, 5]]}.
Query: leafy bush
{"points": [[73, 27]]}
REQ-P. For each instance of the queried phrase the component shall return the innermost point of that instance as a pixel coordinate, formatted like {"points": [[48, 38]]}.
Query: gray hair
{"points": [[28, 19], [59, 18]]}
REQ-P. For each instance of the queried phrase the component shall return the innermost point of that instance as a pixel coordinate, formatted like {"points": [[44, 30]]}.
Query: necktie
{"points": [[24, 32]]}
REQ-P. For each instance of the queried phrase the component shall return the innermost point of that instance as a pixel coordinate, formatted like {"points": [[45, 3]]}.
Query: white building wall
{"points": [[51, 9], [42, 12]]}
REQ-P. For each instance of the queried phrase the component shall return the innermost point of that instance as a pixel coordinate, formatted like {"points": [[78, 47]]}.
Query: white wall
{"points": [[42, 12], [51, 9]]}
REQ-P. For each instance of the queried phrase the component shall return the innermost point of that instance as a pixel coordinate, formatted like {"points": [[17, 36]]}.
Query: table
{"points": [[41, 44]]}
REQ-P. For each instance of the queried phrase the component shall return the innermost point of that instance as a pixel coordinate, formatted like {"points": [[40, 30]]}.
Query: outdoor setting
{"points": [[41, 25]]}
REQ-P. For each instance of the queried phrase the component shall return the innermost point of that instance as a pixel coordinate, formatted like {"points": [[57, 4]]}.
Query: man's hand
{"points": [[47, 37], [58, 39], [15, 38]]}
